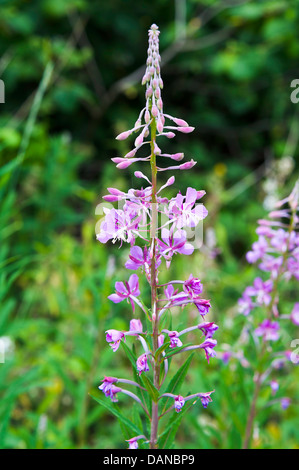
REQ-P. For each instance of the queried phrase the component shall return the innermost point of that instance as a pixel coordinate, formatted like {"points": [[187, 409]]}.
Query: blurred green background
{"points": [[72, 72]]}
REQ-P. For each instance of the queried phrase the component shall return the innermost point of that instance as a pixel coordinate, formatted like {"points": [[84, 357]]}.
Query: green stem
{"points": [[155, 318]]}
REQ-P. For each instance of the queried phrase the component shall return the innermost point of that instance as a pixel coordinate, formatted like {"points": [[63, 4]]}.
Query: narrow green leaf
{"points": [[178, 379], [161, 349], [177, 350], [167, 437], [154, 393], [118, 415]]}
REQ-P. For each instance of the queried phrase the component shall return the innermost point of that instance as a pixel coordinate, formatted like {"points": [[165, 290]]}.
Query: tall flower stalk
{"points": [[277, 252], [159, 225]]}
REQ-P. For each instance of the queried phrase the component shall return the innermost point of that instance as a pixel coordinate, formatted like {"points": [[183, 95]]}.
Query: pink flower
{"points": [[259, 249], [261, 290], [208, 346], [107, 385], [135, 326], [126, 291], [193, 286], [174, 243], [142, 365], [181, 209], [205, 398], [118, 225], [174, 339], [114, 337], [178, 403], [268, 330], [295, 314], [208, 328], [133, 442]]}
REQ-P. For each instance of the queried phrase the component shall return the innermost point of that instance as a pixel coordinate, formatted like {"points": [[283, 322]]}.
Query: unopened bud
{"points": [[186, 129], [155, 111], [123, 135], [187, 165]]}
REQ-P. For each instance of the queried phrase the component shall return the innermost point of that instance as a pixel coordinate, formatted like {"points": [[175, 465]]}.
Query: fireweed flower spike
{"points": [[276, 252], [136, 220]]}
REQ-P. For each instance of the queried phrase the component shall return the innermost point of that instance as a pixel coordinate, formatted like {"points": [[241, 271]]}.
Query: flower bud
{"points": [[187, 165], [155, 111], [186, 129], [123, 135]]}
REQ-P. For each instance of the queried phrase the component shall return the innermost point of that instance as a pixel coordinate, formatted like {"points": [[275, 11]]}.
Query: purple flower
{"points": [[280, 240], [133, 444], [114, 337], [174, 243], [260, 290], [142, 365], [274, 386], [193, 286], [271, 264], [170, 292], [138, 258], [107, 386], [113, 392], [178, 403], [135, 326], [174, 339], [182, 298], [205, 398], [208, 329], [285, 403], [182, 212], [160, 341], [126, 291], [202, 305], [118, 225], [245, 304], [208, 345], [268, 330], [295, 314], [259, 249], [293, 264], [225, 356]]}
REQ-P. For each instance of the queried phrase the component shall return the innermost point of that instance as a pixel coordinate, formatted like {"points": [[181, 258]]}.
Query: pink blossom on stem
{"points": [[268, 330], [178, 403], [114, 337], [141, 364], [126, 290]]}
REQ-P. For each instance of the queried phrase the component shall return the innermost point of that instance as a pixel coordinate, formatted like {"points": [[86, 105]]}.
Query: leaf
{"points": [[177, 379], [130, 355], [161, 349], [177, 350], [154, 393], [119, 415], [167, 437]]}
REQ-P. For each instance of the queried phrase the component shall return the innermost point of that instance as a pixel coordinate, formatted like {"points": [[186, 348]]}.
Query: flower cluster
{"points": [[138, 220], [277, 253]]}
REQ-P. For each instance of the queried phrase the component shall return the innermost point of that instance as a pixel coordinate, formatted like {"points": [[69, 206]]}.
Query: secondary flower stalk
{"points": [[277, 252]]}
